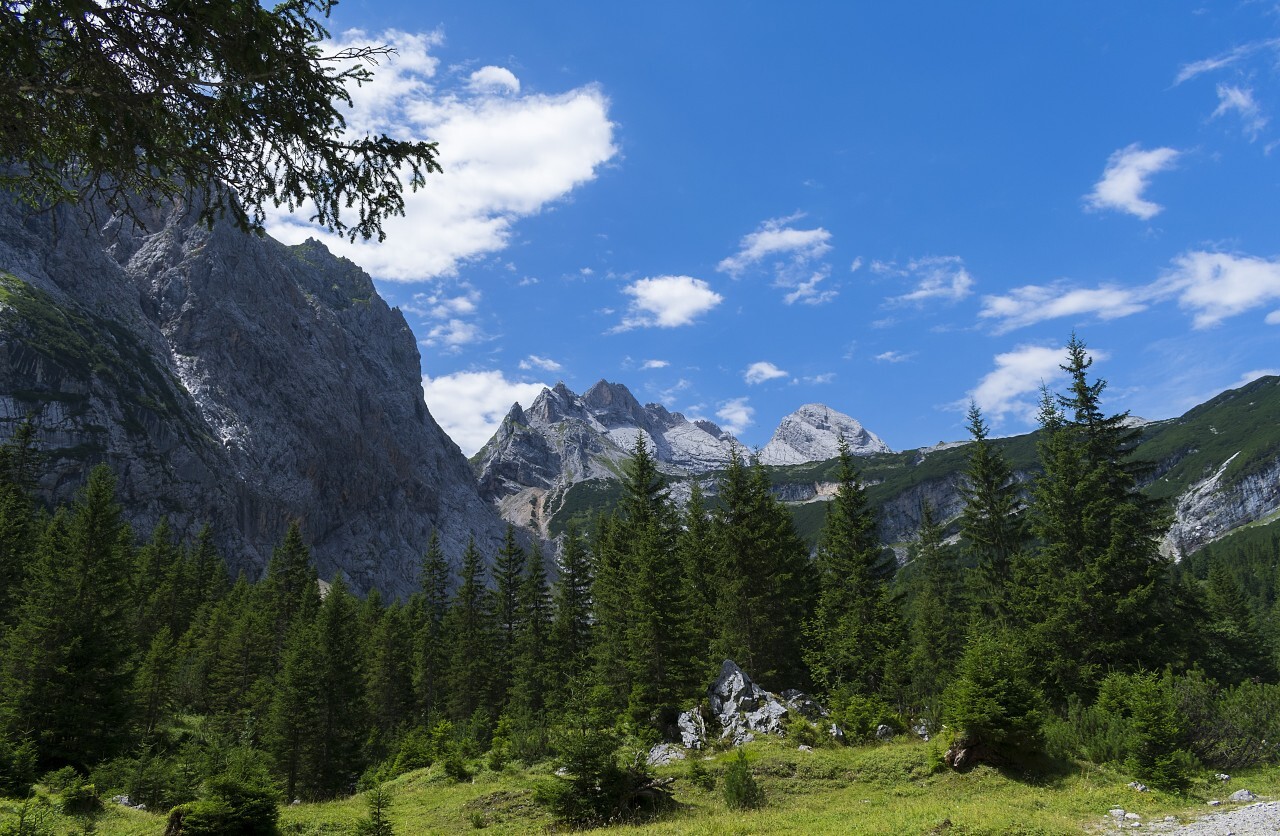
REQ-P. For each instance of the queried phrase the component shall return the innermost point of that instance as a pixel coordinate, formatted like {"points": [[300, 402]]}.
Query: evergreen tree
{"points": [[342, 725], [296, 706], [571, 633], [471, 629], [696, 549], [853, 629], [508, 574], [1102, 592], [764, 580], [937, 622], [432, 652], [154, 683], [389, 675], [992, 525], [290, 584], [244, 662], [19, 521], [66, 666], [1236, 650], [532, 682], [610, 598]]}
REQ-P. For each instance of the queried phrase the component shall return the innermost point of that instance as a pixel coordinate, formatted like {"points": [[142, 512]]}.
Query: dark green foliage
{"points": [[1229, 727], [741, 792], [388, 674], [992, 524], [508, 574], [591, 786], [377, 824], [342, 725], [234, 107], [227, 805], [19, 522], [290, 585], [992, 702], [297, 708], [17, 766], [429, 608], [65, 669], [852, 631], [571, 627], [471, 630], [936, 614]]}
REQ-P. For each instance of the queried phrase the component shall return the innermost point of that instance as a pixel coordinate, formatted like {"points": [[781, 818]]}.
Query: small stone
{"points": [[1214, 803], [803, 748], [1223, 777], [1132, 816], [1243, 795], [884, 732], [1116, 812], [1139, 786], [665, 753], [837, 733]]}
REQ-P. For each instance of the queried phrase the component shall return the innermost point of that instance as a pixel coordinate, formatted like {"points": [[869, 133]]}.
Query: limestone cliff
{"points": [[232, 380]]}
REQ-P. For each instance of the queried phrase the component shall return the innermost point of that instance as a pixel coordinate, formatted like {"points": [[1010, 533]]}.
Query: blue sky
{"points": [[739, 208]]}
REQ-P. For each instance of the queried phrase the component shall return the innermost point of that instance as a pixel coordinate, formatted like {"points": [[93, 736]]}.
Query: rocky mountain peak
{"points": [[812, 434]]}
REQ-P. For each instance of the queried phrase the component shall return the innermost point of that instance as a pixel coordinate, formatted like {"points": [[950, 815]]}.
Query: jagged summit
{"points": [[812, 433], [564, 438]]}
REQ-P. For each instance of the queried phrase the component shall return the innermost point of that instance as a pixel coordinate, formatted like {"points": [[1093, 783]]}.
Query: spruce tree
{"points": [[472, 630], [432, 653], [19, 520], [388, 675], [571, 631], [296, 707], [696, 549], [67, 664], [992, 525], [508, 575], [343, 725], [853, 628], [765, 582], [936, 615], [290, 583], [1102, 592]]}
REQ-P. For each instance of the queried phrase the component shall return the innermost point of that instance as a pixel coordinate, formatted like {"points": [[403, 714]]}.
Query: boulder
{"points": [[743, 709], [1243, 795], [665, 753]]}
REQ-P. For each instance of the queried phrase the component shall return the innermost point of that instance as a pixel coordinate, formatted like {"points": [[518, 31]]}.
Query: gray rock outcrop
{"points": [[232, 380], [740, 709]]}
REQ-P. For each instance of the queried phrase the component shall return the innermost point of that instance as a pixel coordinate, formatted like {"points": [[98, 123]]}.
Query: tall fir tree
{"points": [[20, 522], [67, 664], [696, 548], [432, 654], [296, 707], [852, 632], [992, 524], [571, 622], [343, 724], [765, 582], [1102, 592], [290, 585], [937, 618], [508, 575], [471, 630]]}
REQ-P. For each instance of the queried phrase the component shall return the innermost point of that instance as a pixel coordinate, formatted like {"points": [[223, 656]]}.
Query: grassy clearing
{"points": [[895, 788]]}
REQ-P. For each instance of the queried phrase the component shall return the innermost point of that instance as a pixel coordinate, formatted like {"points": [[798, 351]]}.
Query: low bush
{"points": [[741, 792]]}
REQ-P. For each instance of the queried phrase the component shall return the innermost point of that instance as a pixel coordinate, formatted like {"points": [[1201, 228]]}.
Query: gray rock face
{"points": [[812, 433], [564, 438], [232, 380]]}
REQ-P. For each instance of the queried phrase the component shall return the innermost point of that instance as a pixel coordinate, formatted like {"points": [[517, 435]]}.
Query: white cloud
{"points": [[762, 371], [816, 379], [808, 293], [1241, 100], [505, 156], [655, 364], [667, 302], [1215, 286], [856, 265], [936, 277], [469, 406], [1027, 305], [533, 361], [494, 78], [453, 334], [1273, 318], [776, 241], [894, 356], [1226, 59], [735, 415], [1126, 177], [1018, 374]]}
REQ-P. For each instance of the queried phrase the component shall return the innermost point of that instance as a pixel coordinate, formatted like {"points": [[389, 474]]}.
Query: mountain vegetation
{"points": [[1052, 630]]}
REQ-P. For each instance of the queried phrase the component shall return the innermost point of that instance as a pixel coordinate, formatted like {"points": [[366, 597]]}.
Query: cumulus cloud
{"points": [[735, 415], [667, 302], [894, 356], [1027, 305], [533, 361], [1018, 374], [494, 78], [762, 371], [506, 156], [808, 293], [654, 364], [1241, 101], [1126, 177], [452, 335], [777, 241], [469, 406], [941, 278], [1215, 286]]}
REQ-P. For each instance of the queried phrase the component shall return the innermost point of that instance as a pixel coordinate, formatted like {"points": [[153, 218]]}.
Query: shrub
{"points": [[698, 775], [741, 792], [377, 824], [860, 715], [34, 819], [992, 701], [1155, 742], [229, 806], [17, 766], [595, 788]]}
